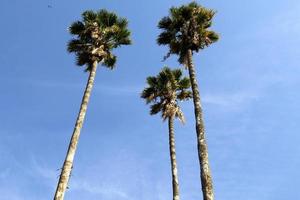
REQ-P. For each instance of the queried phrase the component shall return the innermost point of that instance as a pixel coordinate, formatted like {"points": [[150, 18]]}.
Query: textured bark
{"points": [[175, 183], [206, 179], [68, 164]]}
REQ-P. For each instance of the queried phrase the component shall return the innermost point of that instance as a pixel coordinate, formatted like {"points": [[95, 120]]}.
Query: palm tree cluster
{"points": [[185, 30]]}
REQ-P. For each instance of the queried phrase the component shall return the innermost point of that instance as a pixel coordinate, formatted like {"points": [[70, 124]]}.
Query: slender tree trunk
{"points": [[206, 179], [175, 183], [68, 164]]}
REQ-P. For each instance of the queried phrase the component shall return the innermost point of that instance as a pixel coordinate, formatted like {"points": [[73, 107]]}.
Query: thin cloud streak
{"points": [[107, 89], [106, 191]]}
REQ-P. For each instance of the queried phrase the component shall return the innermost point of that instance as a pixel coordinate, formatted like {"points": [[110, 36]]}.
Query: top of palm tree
{"points": [[96, 35], [164, 91], [187, 28]]}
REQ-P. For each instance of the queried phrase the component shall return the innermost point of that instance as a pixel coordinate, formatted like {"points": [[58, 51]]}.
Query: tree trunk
{"points": [[175, 183], [206, 179], [68, 164]]}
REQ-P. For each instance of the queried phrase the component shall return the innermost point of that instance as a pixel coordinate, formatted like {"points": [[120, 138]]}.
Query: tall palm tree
{"points": [[94, 39], [163, 92], [185, 31]]}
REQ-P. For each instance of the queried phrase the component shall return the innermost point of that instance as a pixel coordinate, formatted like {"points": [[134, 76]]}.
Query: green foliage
{"points": [[96, 36], [164, 91], [187, 28]]}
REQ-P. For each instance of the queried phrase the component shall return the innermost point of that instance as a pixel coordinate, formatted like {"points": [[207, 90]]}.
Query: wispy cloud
{"points": [[114, 90], [263, 64], [231, 100], [107, 89], [48, 175], [106, 191], [85, 185]]}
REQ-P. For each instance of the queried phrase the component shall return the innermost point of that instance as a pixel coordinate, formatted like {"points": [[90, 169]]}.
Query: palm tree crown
{"points": [[187, 28], [164, 91], [95, 37]]}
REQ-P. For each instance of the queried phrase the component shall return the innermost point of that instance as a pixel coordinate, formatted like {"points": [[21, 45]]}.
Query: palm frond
{"points": [[155, 108], [184, 95], [122, 23], [89, 16], [184, 83], [110, 61], [75, 45], [177, 74], [76, 28], [165, 23], [152, 81], [82, 59], [165, 38], [106, 19], [211, 37], [149, 94], [122, 37]]}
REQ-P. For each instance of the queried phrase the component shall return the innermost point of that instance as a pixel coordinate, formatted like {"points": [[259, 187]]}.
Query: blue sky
{"points": [[249, 84]]}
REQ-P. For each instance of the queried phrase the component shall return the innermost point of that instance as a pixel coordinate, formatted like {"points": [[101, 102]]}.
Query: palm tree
{"points": [[185, 31], [163, 92], [94, 39]]}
